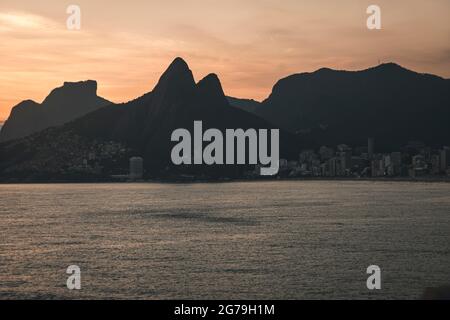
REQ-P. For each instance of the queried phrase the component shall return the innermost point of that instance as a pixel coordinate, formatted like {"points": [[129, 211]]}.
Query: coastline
{"points": [[444, 179]]}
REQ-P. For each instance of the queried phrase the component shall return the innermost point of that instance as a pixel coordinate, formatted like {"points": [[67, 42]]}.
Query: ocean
{"points": [[235, 240]]}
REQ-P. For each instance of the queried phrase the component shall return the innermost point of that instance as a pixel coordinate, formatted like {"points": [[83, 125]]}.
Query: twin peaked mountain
{"points": [[326, 107], [146, 123], [143, 125]]}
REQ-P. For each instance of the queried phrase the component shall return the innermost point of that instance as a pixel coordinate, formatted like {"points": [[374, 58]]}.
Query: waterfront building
{"points": [[136, 168]]}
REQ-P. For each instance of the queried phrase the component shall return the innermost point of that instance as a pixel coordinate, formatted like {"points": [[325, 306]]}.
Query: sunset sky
{"points": [[250, 44]]}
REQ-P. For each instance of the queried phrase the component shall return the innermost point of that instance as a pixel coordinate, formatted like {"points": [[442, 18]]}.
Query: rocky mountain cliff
{"points": [[142, 127], [63, 104], [388, 102]]}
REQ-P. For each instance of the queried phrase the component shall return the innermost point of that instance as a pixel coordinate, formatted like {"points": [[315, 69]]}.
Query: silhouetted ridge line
{"points": [[390, 102], [63, 104]]}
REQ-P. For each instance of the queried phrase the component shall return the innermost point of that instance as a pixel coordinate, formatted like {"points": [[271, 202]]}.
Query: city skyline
{"points": [[231, 39]]}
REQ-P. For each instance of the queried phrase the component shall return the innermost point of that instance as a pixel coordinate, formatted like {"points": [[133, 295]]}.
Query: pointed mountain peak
{"points": [[211, 89], [177, 68], [211, 82], [178, 64], [177, 76]]}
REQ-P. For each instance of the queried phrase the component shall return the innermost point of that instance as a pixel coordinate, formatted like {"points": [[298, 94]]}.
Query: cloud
{"points": [[21, 25]]}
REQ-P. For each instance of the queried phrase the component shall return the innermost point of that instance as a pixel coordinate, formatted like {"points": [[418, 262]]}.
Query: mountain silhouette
{"points": [[63, 104], [388, 102], [145, 125], [326, 107]]}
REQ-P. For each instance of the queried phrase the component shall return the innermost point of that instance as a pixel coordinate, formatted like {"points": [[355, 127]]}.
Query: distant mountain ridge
{"points": [[144, 126], [388, 102], [63, 104], [326, 107]]}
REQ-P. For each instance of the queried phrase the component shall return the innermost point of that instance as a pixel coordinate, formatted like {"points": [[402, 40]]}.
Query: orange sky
{"points": [[250, 44]]}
